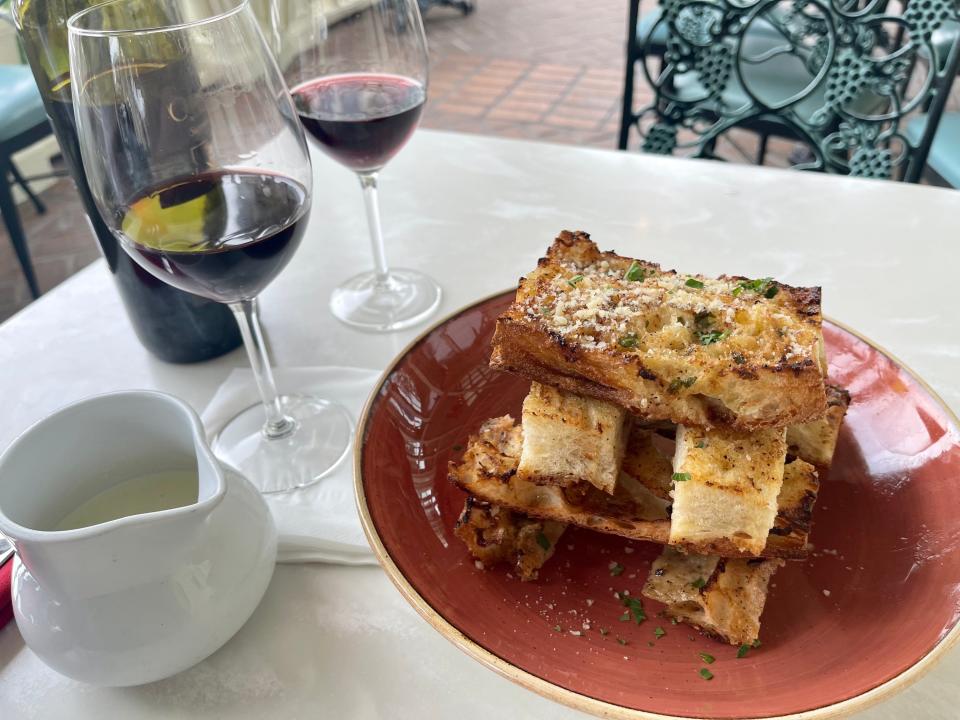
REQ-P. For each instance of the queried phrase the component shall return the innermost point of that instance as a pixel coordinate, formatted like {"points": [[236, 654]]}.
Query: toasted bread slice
{"points": [[816, 441], [497, 535], [723, 597], [726, 484], [568, 439], [692, 350], [640, 505], [798, 495]]}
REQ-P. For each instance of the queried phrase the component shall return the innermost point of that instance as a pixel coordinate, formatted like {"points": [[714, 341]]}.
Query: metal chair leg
{"points": [[11, 219], [40, 207], [762, 149], [626, 111]]}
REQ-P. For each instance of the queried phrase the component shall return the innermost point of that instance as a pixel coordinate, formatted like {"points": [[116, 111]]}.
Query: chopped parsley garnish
{"points": [[677, 383], [628, 341], [701, 445], [694, 283], [635, 272], [674, 621], [764, 286], [621, 641], [635, 608], [709, 338], [659, 632], [546, 310], [706, 674], [738, 358], [699, 583], [572, 282], [625, 616], [543, 541], [615, 569], [703, 321], [557, 628], [707, 658], [680, 477], [604, 631], [744, 649]]}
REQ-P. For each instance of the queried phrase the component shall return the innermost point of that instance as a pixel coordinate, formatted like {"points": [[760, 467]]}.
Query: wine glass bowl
{"points": [[224, 235], [198, 165], [359, 84], [361, 120]]}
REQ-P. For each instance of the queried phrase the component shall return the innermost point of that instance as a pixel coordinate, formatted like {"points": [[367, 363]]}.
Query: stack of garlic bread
{"points": [[677, 409]]}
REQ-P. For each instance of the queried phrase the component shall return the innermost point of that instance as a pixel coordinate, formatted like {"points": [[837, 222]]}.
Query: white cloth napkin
{"points": [[317, 523]]}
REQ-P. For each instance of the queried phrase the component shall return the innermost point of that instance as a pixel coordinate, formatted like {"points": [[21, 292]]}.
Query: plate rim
{"points": [[571, 698]]}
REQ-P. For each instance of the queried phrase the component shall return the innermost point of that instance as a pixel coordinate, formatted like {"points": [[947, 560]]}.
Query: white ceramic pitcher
{"points": [[144, 596]]}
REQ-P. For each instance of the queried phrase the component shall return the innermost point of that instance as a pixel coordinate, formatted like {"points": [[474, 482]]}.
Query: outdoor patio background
{"points": [[532, 69]]}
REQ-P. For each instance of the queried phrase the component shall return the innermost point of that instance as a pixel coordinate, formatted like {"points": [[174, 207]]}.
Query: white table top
{"points": [[475, 213]]}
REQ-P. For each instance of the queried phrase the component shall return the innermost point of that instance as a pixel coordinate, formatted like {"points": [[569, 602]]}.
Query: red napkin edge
{"points": [[6, 600]]}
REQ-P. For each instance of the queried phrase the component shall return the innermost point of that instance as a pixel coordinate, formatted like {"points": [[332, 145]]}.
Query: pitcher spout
{"points": [[108, 493]]}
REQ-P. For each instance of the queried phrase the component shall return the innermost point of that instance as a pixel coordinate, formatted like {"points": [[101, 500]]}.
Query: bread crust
{"points": [[767, 371], [816, 441], [496, 535], [722, 597]]}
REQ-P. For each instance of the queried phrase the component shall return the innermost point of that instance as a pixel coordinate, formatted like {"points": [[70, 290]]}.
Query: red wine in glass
{"points": [[360, 119], [223, 235]]}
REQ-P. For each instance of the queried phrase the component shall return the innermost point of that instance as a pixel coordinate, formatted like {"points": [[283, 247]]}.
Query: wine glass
{"points": [[359, 83], [197, 163]]}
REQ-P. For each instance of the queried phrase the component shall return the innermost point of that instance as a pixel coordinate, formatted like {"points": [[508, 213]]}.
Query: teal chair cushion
{"points": [[21, 106], [943, 38], [646, 23], [944, 155]]}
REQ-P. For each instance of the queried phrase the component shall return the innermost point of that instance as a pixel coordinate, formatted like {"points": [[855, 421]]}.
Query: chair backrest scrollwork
{"points": [[841, 76]]}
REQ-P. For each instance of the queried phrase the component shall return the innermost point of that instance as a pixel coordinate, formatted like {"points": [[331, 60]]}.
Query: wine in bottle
{"points": [[174, 325]]}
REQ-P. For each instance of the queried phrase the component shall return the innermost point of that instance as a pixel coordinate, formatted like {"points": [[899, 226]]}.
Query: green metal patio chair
{"points": [[647, 37], [840, 76], [943, 161], [944, 157], [23, 122]]}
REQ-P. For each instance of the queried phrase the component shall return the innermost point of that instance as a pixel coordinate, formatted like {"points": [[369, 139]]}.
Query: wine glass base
{"points": [[318, 444], [406, 298]]}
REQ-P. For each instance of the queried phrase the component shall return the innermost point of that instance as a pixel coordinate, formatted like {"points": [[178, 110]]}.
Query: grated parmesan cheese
{"points": [[662, 316]]}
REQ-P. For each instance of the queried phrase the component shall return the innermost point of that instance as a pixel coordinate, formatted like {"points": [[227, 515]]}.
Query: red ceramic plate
{"points": [[875, 605]]}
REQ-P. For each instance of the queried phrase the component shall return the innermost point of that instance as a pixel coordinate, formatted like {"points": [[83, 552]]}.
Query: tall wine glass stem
{"points": [[368, 181], [278, 424]]}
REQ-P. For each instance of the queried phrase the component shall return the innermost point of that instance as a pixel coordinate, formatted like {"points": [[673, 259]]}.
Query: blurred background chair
{"points": [[647, 37], [23, 122], [943, 160], [841, 78], [464, 6], [944, 157]]}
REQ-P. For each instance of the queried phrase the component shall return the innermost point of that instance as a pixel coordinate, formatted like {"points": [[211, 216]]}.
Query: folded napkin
{"points": [[318, 523]]}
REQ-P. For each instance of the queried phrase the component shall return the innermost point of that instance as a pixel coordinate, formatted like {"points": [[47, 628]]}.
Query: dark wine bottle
{"points": [[174, 325]]}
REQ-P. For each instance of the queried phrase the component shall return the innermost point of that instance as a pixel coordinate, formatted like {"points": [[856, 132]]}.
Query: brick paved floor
{"points": [[534, 69]]}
